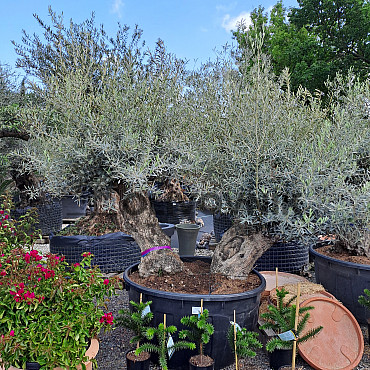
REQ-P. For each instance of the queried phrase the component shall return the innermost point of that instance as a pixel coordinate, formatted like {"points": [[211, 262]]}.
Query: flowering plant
{"points": [[48, 309]]}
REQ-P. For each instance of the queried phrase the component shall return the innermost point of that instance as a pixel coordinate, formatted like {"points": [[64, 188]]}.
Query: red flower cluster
{"points": [[21, 295], [107, 318], [34, 254], [46, 272]]}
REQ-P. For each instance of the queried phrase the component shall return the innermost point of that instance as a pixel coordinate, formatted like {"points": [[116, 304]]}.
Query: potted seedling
{"points": [[200, 332], [282, 319], [166, 345], [243, 342], [137, 321], [364, 300]]}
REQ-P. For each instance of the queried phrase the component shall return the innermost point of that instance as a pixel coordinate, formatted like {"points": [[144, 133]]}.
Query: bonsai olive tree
{"points": [[109, 120]]}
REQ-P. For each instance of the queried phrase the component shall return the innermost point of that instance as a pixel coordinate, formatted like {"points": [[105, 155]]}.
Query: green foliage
{"points": [[48, 309], [281, 318], [365, 299], [137, 320], [315, 41], [162, 333], [200, 330], [20, 233], [246, 342]]}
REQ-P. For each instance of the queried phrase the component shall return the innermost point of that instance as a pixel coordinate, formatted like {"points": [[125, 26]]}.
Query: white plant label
{"points": [[145, 311], [170, 349], [237, 327], [196, 310], [287, 336]]}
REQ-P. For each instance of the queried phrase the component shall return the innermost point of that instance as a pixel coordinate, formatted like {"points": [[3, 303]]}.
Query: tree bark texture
{"points": [[138, 219], [237, 252]]}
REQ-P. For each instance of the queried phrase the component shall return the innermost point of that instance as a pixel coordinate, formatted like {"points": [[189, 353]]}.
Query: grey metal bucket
{"points": [[187, 235]]}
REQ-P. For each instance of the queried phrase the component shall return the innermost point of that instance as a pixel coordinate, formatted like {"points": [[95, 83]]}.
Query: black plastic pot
{"points": [[113, 252], [221, 310], [168, 229], [280, 357], [137, 365], [287, 257], [345, 280], [50, 216], [174, 212], [32, 366], [72, 207], [197, 367], [221, 223]]}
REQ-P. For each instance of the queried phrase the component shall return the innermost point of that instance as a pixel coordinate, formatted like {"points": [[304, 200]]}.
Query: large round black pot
{"points": [[221, 312], [280, 357], [49, 213], [174, 212], [221, 223], [113, 252], [287, 257], [345, 280], [73, 207]]}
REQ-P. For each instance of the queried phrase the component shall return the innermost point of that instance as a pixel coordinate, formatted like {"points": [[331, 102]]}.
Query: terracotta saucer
{"points": [[283, 279], [340, 344]]}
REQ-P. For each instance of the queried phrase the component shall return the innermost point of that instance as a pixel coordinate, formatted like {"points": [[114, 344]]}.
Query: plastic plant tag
{"points": [[145, 311], [237, 327], [196, 310], [170, 349], [287, 336]]}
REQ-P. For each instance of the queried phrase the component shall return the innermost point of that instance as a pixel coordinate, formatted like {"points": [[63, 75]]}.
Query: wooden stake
{"points": [[201, 344], [164, 325], [236, 355], [296, 325], [276, 277], [141, 297], [201, 306]]}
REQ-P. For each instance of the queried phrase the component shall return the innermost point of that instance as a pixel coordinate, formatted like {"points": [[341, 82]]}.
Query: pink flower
{"points": [[86, 254], [76, 264], [1, 212], [27, 257], [106, 281], [6, 217], [3, 273], [11, 333], [5, 226], [107, 318]]}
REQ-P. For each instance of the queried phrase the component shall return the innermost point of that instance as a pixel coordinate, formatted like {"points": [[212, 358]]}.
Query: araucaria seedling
{"points": [[365, 299], [246, 342], [200, 331], [138, 320], [281, 319], [166, 346]]}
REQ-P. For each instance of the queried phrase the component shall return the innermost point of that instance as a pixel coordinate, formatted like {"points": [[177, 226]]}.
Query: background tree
{"points": [[314, 41]]}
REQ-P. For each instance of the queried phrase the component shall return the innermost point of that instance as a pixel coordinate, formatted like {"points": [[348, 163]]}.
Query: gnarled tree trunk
{"points": [[237, 252], [137, 218]]}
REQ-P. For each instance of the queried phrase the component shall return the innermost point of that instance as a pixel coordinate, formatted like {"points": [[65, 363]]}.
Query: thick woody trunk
{"points": [[237, 252], [137, 218]]}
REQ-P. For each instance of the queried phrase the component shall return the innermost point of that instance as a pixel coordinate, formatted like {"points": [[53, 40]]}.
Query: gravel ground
{"points": [[114, 344]]}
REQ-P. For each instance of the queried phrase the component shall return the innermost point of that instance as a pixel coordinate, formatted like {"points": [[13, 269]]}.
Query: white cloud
{"points": [[117, 7], [231, 23]]}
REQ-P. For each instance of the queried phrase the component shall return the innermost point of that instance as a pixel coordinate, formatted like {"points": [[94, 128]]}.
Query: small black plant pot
{"points": [[136, 363], [199, 366], [280, 357], [32, 366]]}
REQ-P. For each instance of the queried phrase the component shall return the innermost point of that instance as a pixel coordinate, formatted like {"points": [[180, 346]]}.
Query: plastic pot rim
{"points": [[335, 260], [195, 297]]}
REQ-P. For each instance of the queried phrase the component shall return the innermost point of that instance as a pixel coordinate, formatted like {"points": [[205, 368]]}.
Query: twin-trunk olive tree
{"points": [[115, 119]]}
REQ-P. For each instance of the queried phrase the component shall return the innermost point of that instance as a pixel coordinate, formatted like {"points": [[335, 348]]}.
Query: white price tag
{"points": [[196, 310], [287, 336], [170, 349], [145, 311], [237, 327]]}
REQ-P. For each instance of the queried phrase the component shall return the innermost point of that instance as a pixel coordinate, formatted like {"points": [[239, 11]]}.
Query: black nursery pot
{"points": [[221, 310], [280, 357], [32, 366], [137, 365], [197, 367]]}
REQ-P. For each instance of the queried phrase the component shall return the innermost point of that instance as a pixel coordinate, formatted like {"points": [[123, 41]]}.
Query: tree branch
{"points": [[11, 132]]}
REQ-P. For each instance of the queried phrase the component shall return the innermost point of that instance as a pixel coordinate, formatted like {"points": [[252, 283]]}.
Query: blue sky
{"points": [[191, 29]]}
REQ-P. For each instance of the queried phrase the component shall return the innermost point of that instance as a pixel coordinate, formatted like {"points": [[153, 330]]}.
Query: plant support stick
{"points": [[296, 325], [236, 355]]}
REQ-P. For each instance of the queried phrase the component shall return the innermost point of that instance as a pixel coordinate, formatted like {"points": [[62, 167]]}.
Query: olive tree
{"points": [[108, 120]]}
